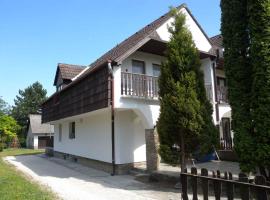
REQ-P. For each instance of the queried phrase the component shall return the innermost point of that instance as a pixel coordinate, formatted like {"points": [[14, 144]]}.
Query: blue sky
{"points": [[35, 35]]}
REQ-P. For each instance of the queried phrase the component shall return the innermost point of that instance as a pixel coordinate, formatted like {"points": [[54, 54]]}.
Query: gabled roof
{"points": [[136, 40], [36, 125], [68, 71], [217, 41]]}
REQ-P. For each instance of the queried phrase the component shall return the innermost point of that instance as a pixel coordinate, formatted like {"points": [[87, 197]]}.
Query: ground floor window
{"points": [[72, 130]]}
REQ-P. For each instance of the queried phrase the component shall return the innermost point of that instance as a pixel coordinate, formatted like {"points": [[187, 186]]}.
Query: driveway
{"points": [[72, 181]]}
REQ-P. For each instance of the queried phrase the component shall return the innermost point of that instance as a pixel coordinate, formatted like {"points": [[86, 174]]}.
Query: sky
{"points": [[36, 35]]}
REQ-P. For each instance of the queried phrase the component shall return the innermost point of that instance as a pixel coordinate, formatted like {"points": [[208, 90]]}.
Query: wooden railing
{"points": [[139, 85], [226, 143], [222, 94], [220, 185]]}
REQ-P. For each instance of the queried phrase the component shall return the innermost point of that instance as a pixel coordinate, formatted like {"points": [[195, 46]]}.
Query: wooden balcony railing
{"points": [[222, 94], [139, 85]]}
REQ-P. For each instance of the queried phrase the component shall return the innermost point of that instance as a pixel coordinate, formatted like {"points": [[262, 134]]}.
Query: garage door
{"points": [[45, 141]]}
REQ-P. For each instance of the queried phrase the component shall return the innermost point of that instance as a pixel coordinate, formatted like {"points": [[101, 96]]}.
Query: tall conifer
{"points": [[185, 120], [259, 28]]}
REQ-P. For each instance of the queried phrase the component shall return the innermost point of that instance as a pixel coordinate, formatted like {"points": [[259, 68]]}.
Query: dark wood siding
{"points": [[90, 93]]}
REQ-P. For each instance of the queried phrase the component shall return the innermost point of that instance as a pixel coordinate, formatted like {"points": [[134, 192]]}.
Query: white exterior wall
{"points": [[35, 142], [199, 38], [92, 137], [129, 138]]}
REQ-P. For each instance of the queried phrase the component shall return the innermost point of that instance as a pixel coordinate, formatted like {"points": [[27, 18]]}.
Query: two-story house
{"points": [[104, 112]]}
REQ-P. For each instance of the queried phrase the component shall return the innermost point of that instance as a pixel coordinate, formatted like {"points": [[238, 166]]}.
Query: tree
{"points": [[28, 101], [259, 29], [8, 129], [234, 28], [4, 108], [185, 113]]}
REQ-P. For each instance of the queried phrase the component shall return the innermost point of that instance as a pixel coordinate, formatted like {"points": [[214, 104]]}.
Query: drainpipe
{"points": [[215, 88], [112, 115]]}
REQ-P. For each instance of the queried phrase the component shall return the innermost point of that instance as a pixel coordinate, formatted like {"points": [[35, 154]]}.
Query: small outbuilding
{"points": [[39, 135]]}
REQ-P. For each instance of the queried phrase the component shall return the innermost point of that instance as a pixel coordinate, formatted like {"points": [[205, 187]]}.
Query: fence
{"points": [[223, 185]]}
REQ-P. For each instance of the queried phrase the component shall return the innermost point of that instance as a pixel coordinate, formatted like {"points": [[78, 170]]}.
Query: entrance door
{"points": [[226, 129]]}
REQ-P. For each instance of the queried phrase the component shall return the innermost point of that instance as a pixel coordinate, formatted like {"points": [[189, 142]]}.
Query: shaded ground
{"points": [[73, 181], [223, 166]]}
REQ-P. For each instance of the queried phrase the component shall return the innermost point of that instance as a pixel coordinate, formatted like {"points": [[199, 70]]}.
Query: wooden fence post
{"points": [[229, 186], [204, 172], [184, 185], [217, 185], [260, 193], [244, 190], [194, 183]]}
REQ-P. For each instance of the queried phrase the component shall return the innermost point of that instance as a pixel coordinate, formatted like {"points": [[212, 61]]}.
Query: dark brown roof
{"points": [[217, 40], [68, 71], [145, 34]]}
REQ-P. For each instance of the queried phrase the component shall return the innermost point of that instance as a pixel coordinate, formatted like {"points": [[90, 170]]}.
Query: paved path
{"points": [[72, 181]]}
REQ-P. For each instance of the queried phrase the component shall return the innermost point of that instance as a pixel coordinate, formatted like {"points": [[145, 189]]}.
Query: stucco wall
{"points": [[129, 138], [93, 137], [199, 38]]}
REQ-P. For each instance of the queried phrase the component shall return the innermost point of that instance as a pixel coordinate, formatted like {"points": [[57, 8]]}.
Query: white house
{"points": [[105, 121], [39, 135]]}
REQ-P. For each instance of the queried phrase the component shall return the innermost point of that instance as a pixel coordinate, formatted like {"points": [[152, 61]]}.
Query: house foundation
{"points": [[99, 165]]}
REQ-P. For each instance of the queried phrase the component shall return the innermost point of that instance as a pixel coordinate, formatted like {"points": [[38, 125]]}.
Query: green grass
{"points": [[14, 185], [17, 152]]}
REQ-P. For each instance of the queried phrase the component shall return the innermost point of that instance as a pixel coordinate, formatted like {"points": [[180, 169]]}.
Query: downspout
{"points": [[215, 89], [112, 115]]}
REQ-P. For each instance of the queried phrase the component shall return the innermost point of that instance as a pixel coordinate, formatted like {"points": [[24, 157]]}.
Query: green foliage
{"points": [[238, 72], [185, 110], [246, 39], [28, 101], [4, 108], [8, 129], [259, 29]]}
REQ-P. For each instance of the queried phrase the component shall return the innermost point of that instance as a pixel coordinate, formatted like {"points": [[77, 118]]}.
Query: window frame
{"points": [[60, 132], [139, 61], [72, 130], [156, 65]]}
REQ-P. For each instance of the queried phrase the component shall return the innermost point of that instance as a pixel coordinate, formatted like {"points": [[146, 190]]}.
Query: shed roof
{"points": [[36, 125]]}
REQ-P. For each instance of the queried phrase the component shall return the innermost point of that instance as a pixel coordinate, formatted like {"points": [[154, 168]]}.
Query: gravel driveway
{"points": [[72, 181]]}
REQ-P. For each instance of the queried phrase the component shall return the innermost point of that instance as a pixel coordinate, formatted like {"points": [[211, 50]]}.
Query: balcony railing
{"points": [[139, 85], [222, 94]]}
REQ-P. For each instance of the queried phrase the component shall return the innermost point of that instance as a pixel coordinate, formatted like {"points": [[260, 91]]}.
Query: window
{"points": [[138, 67], [221, 82], [60, 133], [72, 130], [156, 70]]}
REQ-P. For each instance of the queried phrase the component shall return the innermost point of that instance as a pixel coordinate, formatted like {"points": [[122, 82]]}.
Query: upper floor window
{"points": [[72, 130], [156, 70], [138, 67]]}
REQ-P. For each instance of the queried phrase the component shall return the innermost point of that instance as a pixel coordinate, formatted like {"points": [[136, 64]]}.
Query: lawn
{"points": [[14, 185]]}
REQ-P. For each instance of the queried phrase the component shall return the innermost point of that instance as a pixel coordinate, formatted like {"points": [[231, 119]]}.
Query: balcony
{"points": [[139, 85], [222, 94]]}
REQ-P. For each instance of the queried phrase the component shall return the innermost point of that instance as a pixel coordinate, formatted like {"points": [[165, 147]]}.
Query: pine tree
{"points": [[259, 28], [185, 113], [234, 23]]}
